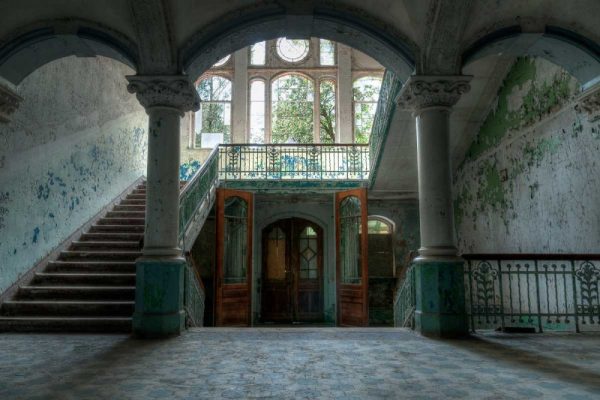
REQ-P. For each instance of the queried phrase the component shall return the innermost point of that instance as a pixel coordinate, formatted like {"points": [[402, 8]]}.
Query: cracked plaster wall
{"points": [[530, 180], [76, 142]]}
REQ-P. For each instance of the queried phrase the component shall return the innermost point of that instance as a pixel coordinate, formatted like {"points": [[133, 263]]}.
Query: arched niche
{"points": [[576, 54], [32, 48]]}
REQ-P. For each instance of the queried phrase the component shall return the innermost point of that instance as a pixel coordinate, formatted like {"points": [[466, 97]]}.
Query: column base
{"points": [[159, 297], [440, 298]]}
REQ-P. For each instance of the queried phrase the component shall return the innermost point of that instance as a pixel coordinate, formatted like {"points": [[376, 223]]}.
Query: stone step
{"points": [[117, 229], [76, 293], [84, 279], [126, 214], [139, 191], [65, 324], [111, 236], [53, 308], [87, 255], [105, 245], [130, 207], [133, 202], [91, 266], [136, 197], [121, 221]]}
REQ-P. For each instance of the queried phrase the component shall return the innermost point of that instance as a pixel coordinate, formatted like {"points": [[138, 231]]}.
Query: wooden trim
{"points": [[222, 195], [364, 286]]}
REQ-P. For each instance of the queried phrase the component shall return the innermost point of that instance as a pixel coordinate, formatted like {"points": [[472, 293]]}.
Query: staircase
{"points": [[90, 287]]}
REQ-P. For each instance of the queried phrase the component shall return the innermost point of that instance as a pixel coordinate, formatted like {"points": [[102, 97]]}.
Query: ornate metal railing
{"points": [[193, 295], [197, 196], [534, 291], [405, 301], [293, 162], [390, 87]]}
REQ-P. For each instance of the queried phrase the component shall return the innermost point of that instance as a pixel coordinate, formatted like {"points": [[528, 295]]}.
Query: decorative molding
{"points": [[421, 92], [9, 101], [173, 91], [589, 103]]}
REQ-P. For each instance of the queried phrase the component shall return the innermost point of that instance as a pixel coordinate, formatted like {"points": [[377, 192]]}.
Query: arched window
{"points": [[365, 92], [213, 120], [257, 111], [222, 61], [327, 111], [292, 50], [381, 247], [258, 53], [292, 109]]}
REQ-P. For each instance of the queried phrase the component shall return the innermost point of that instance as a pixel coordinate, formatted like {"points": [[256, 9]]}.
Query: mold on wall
{"points": [[529, 182], [76, 142]]}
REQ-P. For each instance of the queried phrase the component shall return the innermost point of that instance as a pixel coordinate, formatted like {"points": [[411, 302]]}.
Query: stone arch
{"points": [[34, 46], [577, 54], [358, 30]]}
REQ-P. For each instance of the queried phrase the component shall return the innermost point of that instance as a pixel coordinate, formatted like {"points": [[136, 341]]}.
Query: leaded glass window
{"points": [[350, 238], [365, 95], [213, 120], [235, 240], [308, 250]]}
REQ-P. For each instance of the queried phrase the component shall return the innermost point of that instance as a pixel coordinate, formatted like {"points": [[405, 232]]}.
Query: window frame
{"points": [[194, 114]]}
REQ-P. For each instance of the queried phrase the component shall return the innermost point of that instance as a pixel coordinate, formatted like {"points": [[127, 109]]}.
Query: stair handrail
{"points": [[405, 300], [199, 190]]}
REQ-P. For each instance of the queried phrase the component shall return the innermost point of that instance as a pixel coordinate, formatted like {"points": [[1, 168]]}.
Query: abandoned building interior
{"points": [[299, 199]]}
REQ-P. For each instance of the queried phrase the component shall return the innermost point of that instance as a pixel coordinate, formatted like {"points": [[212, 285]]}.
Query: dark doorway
{"points": [[292, 272]]}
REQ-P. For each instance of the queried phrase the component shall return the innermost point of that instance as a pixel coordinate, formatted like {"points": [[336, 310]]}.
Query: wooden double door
{"points": [[292, 272]]}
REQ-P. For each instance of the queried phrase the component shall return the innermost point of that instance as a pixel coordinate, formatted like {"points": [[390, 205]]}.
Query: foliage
{"points": [[327, 112], [292, 110], [365, 93]]}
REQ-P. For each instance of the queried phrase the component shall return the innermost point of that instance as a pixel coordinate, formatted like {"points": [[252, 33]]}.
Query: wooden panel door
{"points": [[307, 254], [233, 283], [276, 305], [352, 265]]}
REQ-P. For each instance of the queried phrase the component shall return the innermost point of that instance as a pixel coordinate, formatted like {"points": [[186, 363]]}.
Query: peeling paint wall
{"points": [[530, 180], [76, 142]]}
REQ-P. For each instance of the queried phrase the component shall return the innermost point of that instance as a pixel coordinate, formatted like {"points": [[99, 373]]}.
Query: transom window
{"points": [[292, 50], [326, 52], [258, 53], [213, 120]]}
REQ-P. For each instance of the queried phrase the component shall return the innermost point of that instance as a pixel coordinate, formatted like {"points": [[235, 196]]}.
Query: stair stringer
{"points": [[202, 212], [27, 277]]}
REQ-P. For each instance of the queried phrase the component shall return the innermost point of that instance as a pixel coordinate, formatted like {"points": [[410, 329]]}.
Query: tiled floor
{"points": [[311, 363]]}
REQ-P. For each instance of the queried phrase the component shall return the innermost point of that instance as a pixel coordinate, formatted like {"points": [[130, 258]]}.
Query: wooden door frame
{"points": [[361, 193], [222, 195]]}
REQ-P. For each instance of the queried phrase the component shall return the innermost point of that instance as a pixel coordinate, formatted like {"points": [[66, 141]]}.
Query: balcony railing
{"points": [[540, 292], [405, 301], [293, 162]]}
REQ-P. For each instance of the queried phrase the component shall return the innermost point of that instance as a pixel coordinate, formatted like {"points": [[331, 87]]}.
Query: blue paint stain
{"points": [[14, 251], [36, 234], [51, 215], [43, 192]]}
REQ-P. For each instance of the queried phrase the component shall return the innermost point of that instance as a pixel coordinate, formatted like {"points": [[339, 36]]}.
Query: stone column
{"points": [[344, 89], [9, 101], [440, 309], [160, 270]]}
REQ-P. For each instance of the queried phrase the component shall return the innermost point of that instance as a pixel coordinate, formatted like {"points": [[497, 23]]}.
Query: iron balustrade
{"points": [[556, 292], [293, 162], [405, 301]]}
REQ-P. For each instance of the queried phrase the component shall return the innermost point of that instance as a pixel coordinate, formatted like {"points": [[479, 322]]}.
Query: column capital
{"points": [[425, 91], [588, 103], [9, 101], [172, 91]]}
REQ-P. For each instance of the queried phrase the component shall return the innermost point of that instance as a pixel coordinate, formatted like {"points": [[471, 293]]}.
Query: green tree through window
{"points": [[327, 111], [292, 110], [365, 93]]}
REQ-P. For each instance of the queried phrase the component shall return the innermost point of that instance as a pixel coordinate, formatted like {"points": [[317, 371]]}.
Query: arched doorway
{"points": [[292, 272]]}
